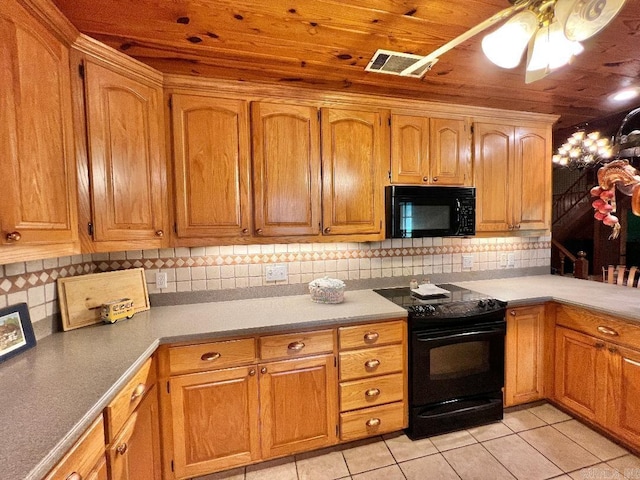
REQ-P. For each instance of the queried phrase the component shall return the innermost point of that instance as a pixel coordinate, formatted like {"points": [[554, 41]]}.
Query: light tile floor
{"points": [[534, 443]]}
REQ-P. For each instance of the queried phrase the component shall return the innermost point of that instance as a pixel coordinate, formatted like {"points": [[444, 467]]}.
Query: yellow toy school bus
{"points": [[117, 310]]}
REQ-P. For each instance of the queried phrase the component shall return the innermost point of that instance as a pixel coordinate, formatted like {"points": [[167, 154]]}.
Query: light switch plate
{"points": [[277, 272], [467, 261]]}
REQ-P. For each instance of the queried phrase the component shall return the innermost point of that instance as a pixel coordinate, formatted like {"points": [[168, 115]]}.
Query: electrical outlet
{"points": [[275, 272], [511, 260], [503, 260], [161, 280], [467, 261]]}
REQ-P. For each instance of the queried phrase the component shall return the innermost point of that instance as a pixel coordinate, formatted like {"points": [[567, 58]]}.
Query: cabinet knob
{"points": [[122, 448], [259, 231], [613, 350], [138, 391], [512, 313], [74, 476], [14, 237], [252, 372], [371, 364], [599, 345], [263, 370], [435, 179], [517, 227], [510, 227], [607, 331], [425, 179], [245, 231], [373, 422], [210, 356], [371, 337], [295, 346], [327, 230], [372, 392], [159, 233]]}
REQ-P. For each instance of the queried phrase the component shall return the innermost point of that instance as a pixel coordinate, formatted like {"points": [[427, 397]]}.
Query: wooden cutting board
{"points": [[81, 297]]}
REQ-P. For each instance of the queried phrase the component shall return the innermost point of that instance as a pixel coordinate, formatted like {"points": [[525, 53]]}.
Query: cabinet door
{"points": [[286, 169], [493, 148], [215, 420], [623, 416], [352, 156], [531, 178], [298, 405], [126, 152], [135, 453], [580, 373], [211, 162], [38, 180], [409, 149], [524, 363], [450, 152]]}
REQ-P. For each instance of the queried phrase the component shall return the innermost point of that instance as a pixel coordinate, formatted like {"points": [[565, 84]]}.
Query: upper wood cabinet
{"points": [[38, 210], [286, 169], [211, 167], [354, 148], [127, 169], [513, 178], [430, 151]]}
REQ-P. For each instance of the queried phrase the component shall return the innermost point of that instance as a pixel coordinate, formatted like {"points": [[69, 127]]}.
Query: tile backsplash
{"points": [[241, 266]]}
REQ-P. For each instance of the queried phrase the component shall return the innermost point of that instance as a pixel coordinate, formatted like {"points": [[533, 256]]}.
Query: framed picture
{"points": [[16, 332]]}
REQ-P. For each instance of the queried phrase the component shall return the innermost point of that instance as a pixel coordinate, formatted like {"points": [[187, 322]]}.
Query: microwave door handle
{"points": [[458, 219]]}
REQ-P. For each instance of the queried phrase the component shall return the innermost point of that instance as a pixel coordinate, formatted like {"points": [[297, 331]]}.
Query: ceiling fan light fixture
{"points": [[549, 51], [582, 19], [505, 46]]}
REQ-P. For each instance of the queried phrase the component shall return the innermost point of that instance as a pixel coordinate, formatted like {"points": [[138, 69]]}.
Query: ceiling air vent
{"points": [[386, 61]]}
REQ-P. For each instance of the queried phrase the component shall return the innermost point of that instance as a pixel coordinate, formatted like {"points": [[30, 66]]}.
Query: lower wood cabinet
{"points": [[524, 355], [238, 401], [597, 372]]}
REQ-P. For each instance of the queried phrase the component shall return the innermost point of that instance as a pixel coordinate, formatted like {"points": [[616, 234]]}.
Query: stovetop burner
{"points": [[460, 306]]}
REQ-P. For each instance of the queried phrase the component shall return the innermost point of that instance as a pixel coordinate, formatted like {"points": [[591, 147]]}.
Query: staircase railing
{"points": [[572, 196], [580, 262]]}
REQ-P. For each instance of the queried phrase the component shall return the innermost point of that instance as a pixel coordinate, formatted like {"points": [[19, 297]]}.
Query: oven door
{"points": [[457, 362]]}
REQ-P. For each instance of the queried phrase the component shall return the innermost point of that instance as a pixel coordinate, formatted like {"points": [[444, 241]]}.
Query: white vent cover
{"points": [[392, 63]]}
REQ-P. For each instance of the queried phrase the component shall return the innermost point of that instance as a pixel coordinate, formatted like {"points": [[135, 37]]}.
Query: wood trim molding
{"points": [[49, 15], [255, 91]]}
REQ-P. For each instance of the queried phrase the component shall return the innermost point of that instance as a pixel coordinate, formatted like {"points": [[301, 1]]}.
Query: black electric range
{"points": [[460, 306]]}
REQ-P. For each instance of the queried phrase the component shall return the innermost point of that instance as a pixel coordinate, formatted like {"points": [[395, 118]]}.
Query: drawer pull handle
{"points": [[295, 346], [122, 448], [371, 364], [372, 392], [210, 356], [373, 422], [607, 331], [74, 476], [13, 237], [371, 337], [138, 391]]}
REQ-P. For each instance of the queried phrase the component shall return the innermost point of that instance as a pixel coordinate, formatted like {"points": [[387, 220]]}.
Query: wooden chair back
{"points": [[619, 275]]}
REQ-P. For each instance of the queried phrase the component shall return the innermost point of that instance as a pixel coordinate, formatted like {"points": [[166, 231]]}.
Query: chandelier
{"points": [[582, 150]]}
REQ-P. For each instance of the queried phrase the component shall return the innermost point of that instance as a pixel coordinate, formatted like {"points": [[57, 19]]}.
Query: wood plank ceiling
{"points": [[326, 44]]}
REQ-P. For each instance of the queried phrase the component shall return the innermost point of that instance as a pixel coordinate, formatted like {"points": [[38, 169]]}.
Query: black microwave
{"points": [[413, 212]]}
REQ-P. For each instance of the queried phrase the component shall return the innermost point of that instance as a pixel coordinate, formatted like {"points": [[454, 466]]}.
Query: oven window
{"points": [[424, 217], [459, 360]]}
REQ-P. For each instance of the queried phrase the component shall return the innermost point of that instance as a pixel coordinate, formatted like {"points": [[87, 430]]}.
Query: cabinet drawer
{"points": [[83, 456], [372, 421], [118, 411], [602, 326], [296, 344], [371, 334], [369, 362], [371, 391], [212, 355]]}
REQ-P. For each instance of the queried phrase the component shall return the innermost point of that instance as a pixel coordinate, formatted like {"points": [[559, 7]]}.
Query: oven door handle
{"points": [[427, 337]]}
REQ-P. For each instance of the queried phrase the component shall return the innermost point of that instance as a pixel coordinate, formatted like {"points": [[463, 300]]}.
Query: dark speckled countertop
{"points": [[51, 393]]}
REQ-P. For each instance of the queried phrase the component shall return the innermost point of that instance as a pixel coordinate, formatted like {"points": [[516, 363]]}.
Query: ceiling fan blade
{"points": [[498, 17], [582, 19]]}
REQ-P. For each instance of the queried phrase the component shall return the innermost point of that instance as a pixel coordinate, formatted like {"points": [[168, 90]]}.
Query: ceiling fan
{"points": [[550, 30]]}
